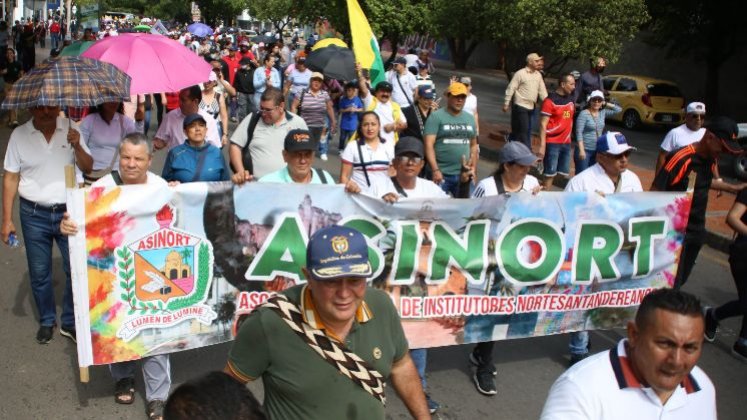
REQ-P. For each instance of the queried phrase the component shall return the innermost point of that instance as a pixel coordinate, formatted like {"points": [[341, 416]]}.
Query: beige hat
{"points": [[533, 57], [317, 75]]}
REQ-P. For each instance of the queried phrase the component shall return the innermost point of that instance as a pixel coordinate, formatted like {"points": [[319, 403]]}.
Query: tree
{"points": [[567, 29], [708, 31], [279, 12], [463, 24]]}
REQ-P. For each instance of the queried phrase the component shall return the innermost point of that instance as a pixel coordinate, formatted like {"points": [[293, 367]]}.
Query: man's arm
{"points": [[406, 383], [510, 91], [429, 141], [660, 159], [82, 158], [719, 184], [543, 135], [10, 189], [235, 154]]}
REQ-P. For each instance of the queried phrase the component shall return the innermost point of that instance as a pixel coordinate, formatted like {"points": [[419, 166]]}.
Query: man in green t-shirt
{"points": [[336, 304], [450, 138]]}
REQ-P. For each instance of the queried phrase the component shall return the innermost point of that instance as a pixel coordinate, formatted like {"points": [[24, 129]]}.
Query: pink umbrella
{"points": [[154, 62]]}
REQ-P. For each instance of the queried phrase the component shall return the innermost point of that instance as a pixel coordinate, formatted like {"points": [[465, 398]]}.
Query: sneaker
{"points": [[577, 357], [323, 156], [485, 382], [69, 333], [711, 325], [475, 361], [433, 406], [44, 334], [740, 351]]}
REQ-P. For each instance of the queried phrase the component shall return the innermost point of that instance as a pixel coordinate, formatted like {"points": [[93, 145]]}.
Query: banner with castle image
{"points": [[159, 270]]}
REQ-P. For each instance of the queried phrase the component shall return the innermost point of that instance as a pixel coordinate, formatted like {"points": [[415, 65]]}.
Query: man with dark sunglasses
{"points": [[701, 158], [609, 175], [688, 133]]}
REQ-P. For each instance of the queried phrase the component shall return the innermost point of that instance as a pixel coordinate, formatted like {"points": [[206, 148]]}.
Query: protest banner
{"points": [[158, 270]]}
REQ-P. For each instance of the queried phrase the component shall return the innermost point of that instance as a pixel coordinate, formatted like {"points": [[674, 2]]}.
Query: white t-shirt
{"points": [[386, 115], [108, 180], [412, 60], [470, 104], [423, 189], [487, 187], [594, 179], [597, 389], [376, 161], [103, 139], [41, 165], [681, 136], [172, 129], [409, 84]]}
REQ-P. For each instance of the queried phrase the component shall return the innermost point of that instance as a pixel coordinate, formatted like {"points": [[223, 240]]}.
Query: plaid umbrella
{"points": [[69, 81]]}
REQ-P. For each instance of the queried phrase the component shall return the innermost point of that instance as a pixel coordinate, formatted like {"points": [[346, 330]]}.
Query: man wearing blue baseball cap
{"points": [[609, 175], [324, 348]]}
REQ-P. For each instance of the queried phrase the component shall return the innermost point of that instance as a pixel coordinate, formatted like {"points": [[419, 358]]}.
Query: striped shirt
{"points": [[313, 108], [376, 161]]}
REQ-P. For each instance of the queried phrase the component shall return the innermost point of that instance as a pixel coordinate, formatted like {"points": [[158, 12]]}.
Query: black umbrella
{"points": [[333, 61], [263, 38]]}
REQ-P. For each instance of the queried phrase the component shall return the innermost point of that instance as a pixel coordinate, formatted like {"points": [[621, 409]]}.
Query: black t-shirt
{"points": [[673, 176], [414, 128], [742, 199], [13, 72]]}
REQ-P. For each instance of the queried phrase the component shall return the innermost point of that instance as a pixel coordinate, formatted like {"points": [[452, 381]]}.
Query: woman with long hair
{"points": [[368, 156]]}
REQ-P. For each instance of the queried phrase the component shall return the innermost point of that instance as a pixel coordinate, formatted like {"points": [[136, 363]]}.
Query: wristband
{"points": [[436, 170]]}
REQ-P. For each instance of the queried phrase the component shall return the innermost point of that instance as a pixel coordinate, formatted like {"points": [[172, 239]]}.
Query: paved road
{"points": [[41, 382]]}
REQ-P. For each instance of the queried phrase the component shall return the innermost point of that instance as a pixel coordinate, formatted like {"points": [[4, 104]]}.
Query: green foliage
{"points": [[571, 28]]}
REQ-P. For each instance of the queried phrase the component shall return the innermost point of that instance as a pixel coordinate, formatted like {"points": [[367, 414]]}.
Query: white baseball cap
{"points": [[595, 94], [696, 108], [613, 143]]}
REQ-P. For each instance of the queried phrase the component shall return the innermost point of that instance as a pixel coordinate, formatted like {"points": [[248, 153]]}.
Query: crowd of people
{"points": [[396, 142]]}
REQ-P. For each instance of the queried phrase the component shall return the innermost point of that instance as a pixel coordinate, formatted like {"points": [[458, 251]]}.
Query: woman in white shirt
{"points": [[102, 131], [368, 157]]}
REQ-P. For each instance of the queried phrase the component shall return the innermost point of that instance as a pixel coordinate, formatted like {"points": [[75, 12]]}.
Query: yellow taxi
{"points": [[645, 100]]}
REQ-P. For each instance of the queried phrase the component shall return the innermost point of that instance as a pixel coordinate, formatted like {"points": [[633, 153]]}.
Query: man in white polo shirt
{"points": [[35, 161], [688, 133], [171, 132], [608, 176], [649, 375]]}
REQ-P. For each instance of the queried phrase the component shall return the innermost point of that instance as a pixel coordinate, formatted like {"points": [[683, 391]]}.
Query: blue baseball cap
{"points": [[426, 92], [337, 251], [613, 143], [189, 119]]}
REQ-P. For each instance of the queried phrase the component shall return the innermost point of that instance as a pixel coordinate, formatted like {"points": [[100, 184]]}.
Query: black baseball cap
{"points": [[384, 85], [409, 144], [299, 140], [726, 130]]}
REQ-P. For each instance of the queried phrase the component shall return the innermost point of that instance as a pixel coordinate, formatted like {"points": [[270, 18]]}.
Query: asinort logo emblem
{"points": [[164, 278]]}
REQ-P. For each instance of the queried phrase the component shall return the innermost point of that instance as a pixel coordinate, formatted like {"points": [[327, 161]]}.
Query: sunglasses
{"points": [[625, 154], [410, 159]]}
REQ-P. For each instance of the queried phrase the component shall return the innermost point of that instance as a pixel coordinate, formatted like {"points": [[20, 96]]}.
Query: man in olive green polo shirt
{"points": [[298, 382]]}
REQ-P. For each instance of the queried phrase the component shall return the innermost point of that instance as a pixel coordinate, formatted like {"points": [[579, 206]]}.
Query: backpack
{"points": [[246, 157]]}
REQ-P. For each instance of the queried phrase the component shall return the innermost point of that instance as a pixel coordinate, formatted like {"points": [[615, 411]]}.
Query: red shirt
{"points": [[560, 109], [233, 66], [172, 101], [248, 55], [54, 28]]}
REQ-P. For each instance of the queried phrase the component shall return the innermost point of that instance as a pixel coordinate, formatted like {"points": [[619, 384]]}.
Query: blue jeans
{"points": [[41, 227], [146, 121], [521, 124], [579, 342], [316, 136], [55, 41], [420, 358], [344, 137], [451, 185], [557, 159], [582, 164]]}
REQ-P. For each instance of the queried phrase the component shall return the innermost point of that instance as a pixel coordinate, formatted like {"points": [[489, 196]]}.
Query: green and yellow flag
{"points": [[365, 45]]}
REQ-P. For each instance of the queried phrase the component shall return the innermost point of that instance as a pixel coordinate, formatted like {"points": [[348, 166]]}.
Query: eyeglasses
{"points": [[625, 154], [415, 160], [268, 110]]}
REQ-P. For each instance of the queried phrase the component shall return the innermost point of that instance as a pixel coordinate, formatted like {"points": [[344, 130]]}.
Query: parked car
{"points": [[736, 166], [645, 100]]}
